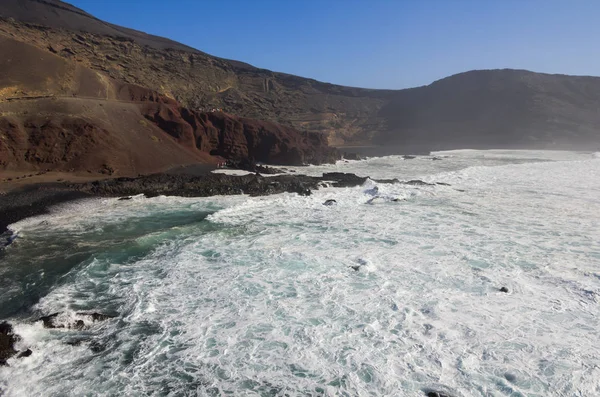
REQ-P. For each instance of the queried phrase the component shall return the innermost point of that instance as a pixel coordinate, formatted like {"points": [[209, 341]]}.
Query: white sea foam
{"points": [[281, 294]]}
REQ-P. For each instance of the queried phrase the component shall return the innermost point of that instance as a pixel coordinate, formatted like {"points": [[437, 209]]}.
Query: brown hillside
{"points": [[59, 115], [99, 136]]}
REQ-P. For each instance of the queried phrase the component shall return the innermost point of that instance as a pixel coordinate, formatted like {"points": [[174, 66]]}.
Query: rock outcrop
{"points": [[239, 138], [7, 342]]}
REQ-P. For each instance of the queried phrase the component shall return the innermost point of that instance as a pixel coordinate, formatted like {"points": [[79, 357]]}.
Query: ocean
{"points": [[393, 290]]}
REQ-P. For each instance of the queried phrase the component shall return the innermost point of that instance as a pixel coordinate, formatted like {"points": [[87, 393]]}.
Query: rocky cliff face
{"points": [[57, 114], [237, 138]]}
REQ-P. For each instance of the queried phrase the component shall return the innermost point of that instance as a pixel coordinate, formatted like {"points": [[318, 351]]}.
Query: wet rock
{"points": [[442, 184], [79, 324], [395, 180], [25, 353], [330, 202], [49, 321], [504, 289], [341, 179], [7, 342], [438, 394], [125, 198], [510, 377], [355, 268], [251, 166], [418, 182]]}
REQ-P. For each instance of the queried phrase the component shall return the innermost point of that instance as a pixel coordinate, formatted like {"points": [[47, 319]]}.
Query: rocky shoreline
{"points": [[37, 199]]}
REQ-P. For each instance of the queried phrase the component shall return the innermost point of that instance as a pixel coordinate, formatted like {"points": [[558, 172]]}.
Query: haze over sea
{"points": [[390, 291]]}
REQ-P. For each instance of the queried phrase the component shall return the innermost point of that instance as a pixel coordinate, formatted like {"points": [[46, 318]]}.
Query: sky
{"points": [[389, 44]]}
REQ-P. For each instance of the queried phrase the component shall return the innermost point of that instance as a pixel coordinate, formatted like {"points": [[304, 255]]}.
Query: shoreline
{"points": [[37, 199]]}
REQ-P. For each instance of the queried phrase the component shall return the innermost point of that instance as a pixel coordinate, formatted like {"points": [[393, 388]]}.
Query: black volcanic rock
{"points": [[36, 199], [341, 179], [49, 321], [437, 394], [7, 342]]}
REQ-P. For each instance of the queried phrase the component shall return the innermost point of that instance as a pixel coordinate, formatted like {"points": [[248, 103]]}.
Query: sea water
{"points": [[387, 293]]}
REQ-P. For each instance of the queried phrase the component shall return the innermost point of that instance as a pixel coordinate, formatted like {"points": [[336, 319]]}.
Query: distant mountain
{"points": [[102, 61], [497, 108]]}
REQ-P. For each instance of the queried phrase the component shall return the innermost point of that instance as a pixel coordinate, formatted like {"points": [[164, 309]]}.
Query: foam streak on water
{"points": [[260, 296]]}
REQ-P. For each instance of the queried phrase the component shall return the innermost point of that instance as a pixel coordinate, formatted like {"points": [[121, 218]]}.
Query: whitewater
{"points": [[394, 291]]}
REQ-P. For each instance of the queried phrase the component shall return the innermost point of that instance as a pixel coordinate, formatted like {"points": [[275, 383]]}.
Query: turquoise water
{"points": [[259, 296]]}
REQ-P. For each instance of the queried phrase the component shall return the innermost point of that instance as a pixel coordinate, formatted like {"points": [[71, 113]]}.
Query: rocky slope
{"points": [[58, 114], [477, 109]]}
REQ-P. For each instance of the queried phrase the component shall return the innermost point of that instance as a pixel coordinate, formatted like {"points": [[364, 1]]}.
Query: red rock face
{"points": [[233, 137]]}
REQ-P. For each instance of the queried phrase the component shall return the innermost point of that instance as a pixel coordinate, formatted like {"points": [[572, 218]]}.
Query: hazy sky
{"points": [[376, 43]]}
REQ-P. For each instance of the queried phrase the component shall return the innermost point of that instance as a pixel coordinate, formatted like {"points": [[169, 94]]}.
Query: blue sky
{"points": [[376, 43]]}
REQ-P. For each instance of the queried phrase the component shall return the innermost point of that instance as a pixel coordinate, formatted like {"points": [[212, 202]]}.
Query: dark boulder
{"points": [[418, 182], [504, 289], [50, 321], [330, 202], [341, 179], [7, 342], [388, 181], [437, 394], [251, 166], [25, 353]]}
